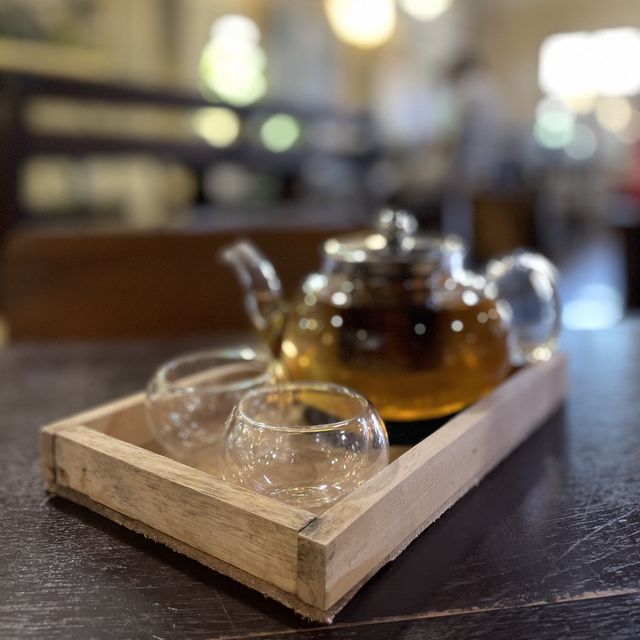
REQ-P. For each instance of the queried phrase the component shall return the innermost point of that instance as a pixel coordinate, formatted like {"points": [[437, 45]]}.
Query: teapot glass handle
{"points": [[527, 287]]}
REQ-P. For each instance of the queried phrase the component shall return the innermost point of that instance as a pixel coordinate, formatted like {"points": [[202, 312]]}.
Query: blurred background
{"points": [[137, 137]]}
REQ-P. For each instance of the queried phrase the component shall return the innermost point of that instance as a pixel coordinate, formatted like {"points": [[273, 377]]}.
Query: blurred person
{"points": [[413, 113], [478, 146]]}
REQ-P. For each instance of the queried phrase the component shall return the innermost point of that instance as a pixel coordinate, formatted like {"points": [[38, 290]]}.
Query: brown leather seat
{"points": [[137, 284]]}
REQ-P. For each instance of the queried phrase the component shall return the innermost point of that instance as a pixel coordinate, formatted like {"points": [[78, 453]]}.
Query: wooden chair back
{"points": [[131, 284]]}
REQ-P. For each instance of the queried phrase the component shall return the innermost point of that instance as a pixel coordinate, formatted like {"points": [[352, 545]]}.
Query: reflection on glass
{"points": [[527, 284]]}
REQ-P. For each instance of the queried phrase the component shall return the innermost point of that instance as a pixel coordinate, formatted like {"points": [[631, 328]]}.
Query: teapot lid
{"points": [[395, 241]]}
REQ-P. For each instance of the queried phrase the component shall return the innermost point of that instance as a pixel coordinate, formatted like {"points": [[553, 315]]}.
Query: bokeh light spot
{"points": [[583, 145], [232, 63], [363, 23], [614, 114], [218, 126], [280, 132], [425, 10], [555, 124]]}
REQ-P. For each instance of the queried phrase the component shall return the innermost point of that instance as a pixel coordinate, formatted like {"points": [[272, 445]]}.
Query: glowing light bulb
{"points": [[363, 23], [232, 63], [425, 10], [218, 126], [235, 27]]}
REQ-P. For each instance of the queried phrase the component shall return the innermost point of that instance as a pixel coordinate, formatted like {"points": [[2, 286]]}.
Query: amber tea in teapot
{"points": [[413, 362], [393, 314]]}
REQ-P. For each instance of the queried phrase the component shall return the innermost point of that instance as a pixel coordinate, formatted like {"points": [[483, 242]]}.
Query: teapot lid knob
{"points": [[395, 225]]}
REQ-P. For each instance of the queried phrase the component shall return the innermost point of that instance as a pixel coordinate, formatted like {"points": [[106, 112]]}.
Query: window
{"points": [[591, 63]]}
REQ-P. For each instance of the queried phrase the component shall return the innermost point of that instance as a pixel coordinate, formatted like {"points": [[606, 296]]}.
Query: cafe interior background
{"points": [[138, 137]]}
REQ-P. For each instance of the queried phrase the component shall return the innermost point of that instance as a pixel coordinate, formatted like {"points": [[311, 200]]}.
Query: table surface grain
{"points": [[546, 547]]}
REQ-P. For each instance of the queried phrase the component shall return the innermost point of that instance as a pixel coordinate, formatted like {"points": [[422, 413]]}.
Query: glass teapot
{"points": [[394, 314]]}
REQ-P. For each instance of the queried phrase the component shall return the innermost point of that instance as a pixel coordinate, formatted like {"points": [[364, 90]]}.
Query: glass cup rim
{"points": [[225, 356], [324, 387]]}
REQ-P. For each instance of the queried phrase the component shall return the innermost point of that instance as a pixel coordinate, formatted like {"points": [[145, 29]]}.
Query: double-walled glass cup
{"points": [[307, 444], [190, 398]]}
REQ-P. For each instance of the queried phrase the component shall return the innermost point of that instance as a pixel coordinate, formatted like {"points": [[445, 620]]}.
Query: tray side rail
{"points": [[352, 540], [254, 533]]}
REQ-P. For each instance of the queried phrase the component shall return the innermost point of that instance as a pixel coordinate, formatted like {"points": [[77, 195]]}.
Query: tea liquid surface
{"points": [[413, 363]]}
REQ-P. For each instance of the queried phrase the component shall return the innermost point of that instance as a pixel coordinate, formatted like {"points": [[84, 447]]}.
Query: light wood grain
{"points": [[263, 586], [252, 532], [374, 523], [46, 445], [123, 419]]}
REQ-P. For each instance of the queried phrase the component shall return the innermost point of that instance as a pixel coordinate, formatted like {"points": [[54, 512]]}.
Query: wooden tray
{"points": [[102, 459]]}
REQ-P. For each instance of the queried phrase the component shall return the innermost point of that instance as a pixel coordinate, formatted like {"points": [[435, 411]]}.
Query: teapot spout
{"points": [[263, 291]]}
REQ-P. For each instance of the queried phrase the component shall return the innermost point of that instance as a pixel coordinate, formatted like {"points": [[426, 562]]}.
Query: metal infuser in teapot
{"points": [[394, 314]]}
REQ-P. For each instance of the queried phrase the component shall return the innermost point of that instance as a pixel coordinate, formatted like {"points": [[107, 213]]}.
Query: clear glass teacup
{"points": [[307, 444], [189, 399]]}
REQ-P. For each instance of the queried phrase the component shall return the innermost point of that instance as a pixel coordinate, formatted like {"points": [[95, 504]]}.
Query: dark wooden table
{"points": [[547, 546]]}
